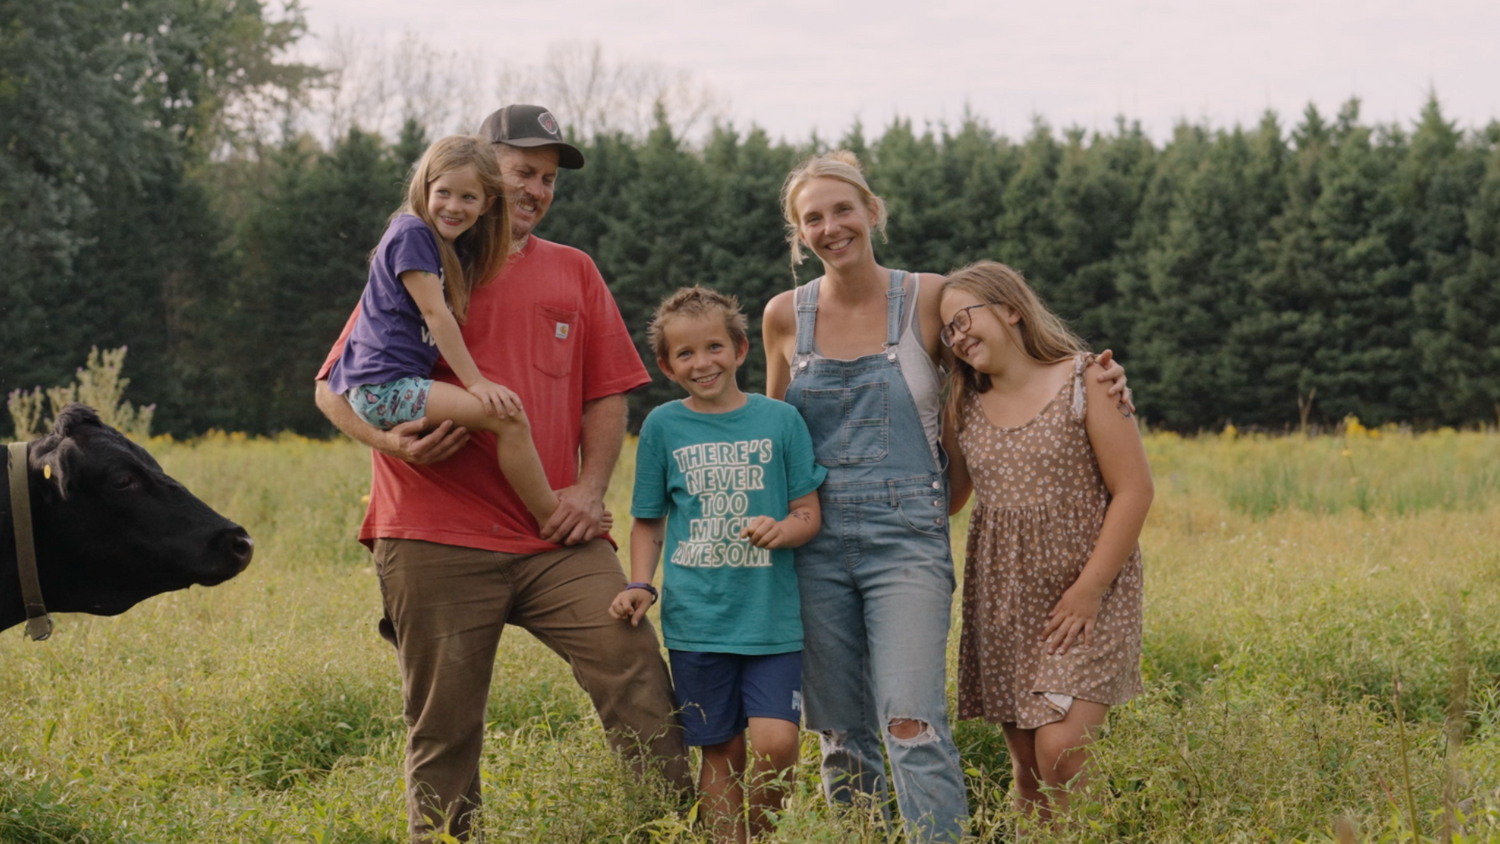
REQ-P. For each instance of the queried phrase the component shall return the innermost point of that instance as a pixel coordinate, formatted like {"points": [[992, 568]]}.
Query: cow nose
{"points": [[243, 548]]}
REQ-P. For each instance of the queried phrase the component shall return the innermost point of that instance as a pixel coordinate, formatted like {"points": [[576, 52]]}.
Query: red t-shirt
{"points": [[548, 329]]}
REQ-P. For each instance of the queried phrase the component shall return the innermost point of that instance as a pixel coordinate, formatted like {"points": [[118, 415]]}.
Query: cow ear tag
{"points": [[47, 471]]}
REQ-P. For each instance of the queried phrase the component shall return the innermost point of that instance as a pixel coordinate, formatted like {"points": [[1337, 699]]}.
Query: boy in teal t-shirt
{"points": [[725, 487]]}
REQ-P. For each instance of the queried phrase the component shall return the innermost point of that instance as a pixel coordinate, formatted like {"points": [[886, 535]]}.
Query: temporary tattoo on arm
{"points": [[802, 514]]}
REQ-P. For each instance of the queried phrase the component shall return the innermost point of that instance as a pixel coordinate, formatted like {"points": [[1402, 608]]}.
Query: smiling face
{"points": [[989, 340], [834, 221], [703, 359], [456, 201], [529, 174]]}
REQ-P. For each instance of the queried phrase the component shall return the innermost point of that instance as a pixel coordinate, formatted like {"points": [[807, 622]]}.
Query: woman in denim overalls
{"points": [[857, 352]]}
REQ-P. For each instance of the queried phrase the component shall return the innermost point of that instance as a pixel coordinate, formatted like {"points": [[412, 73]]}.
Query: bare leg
{"points": [[723, 795], [773, 754], [1030, 800], [1062, 752], [514, 450]]}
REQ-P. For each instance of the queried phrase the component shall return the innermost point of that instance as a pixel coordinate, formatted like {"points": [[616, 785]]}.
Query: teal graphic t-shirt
{"points": [[710, 474]]}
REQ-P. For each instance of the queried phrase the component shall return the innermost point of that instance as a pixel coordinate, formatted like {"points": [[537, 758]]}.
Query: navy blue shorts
{"points": [[717, 694]]}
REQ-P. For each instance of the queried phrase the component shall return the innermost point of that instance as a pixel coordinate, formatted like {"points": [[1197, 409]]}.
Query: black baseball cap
{"points": [[530, 126]]}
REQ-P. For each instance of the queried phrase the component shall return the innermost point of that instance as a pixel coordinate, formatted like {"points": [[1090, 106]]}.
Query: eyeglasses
{"points": [[960, 323]]}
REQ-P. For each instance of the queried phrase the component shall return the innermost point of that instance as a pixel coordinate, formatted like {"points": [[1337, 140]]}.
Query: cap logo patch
{"points": [[548, 122]]}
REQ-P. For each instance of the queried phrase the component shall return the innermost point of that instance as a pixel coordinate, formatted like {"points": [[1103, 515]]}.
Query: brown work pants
{"points": [[445, 607]]}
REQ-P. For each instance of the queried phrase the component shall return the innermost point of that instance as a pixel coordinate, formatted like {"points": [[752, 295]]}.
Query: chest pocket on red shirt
{"points": [[558, 338]]}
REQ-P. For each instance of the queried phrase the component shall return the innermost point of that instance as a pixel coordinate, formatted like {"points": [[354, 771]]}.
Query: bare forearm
{"points": [[1117, 538], [450, 342], [646, 539], [603, 433], [802, 522], [338, 411]]}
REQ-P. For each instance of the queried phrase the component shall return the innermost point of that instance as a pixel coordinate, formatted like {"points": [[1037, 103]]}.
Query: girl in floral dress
{"points": [[1051, 635]]}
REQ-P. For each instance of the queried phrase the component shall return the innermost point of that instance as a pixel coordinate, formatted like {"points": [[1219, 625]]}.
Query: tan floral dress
{"points": [[1040, 503]]}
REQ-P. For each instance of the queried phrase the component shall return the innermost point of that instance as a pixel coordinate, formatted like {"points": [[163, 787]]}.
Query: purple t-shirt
{"points": [[390, 339]]}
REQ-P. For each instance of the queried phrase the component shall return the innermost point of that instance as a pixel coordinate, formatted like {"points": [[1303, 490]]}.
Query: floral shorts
{"points": [[388, 405]]}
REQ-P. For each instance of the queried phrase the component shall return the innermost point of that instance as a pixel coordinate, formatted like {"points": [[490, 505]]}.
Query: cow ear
{"points": [[73, 416]]}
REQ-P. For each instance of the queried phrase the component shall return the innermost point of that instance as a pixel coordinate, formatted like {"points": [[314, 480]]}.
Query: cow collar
{"points": [[38, 622]]}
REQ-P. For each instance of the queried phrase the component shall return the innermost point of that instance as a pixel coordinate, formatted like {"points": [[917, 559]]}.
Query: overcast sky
{"points": [[795, 67]]}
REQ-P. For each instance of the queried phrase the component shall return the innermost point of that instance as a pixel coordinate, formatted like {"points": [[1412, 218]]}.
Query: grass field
{"points": [[1293, 586]]}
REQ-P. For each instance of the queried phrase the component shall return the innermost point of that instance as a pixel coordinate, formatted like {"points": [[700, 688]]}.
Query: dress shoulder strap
{"points": [[1080, 363]]}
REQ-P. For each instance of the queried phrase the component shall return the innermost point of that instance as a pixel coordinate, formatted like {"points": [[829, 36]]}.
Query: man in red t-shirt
{"points": [[458, 554]]}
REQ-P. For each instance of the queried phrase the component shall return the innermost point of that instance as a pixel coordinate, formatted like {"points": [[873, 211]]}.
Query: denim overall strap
{"points": [[895, 297], [806, 298], [862, 416]]}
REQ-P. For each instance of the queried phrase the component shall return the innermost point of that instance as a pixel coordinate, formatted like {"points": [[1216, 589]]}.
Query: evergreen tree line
{"points": [[1265, 276], [1259, 275]]}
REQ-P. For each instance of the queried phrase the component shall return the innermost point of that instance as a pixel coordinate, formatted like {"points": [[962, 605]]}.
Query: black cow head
{"points": [[111, 528]]}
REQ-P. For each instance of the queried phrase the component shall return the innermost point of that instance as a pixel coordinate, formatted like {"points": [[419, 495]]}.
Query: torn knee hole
{"points": [[833, 740], [906, 728], [910, 731]]}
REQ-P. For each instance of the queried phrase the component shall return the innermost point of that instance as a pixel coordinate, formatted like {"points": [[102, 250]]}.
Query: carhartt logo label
{"points": [[548, 122], [561, 331]]}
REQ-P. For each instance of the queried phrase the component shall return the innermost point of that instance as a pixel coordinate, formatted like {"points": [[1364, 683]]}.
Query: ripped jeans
{"points": [[877, 588]]}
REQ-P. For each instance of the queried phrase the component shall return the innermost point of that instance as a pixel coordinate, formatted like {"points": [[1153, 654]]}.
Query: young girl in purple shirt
{"points": [[451, 235]]}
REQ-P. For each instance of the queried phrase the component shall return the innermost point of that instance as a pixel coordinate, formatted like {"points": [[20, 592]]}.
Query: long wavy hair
{"points": [[485, 246], [1044, 337], [839, 164]]}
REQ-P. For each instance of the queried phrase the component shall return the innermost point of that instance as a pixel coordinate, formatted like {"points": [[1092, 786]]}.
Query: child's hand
{"points": [[631, 604], [606, 522], [1071, 622], [764, 532], [498, 401]]}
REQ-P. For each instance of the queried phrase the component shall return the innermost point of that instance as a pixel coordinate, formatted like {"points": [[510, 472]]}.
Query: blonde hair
{"points": [[697, 302], [842, 165], [1044, 337], [486, 244]]}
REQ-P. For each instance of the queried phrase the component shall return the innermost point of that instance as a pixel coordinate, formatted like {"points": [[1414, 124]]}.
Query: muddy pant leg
{"points": [[445, 608], [563, 598]]}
